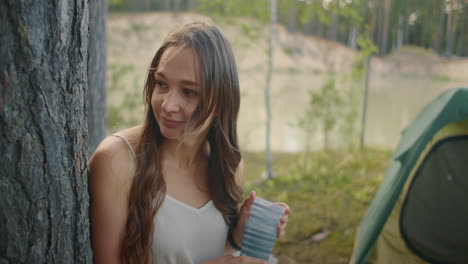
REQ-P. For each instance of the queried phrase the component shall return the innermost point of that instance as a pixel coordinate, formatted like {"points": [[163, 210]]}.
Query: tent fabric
{"points": [[439, 189], [450, 107], [391, 247]]}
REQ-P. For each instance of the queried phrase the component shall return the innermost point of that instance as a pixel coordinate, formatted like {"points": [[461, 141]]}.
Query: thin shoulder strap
{"points": [[128, 144]]}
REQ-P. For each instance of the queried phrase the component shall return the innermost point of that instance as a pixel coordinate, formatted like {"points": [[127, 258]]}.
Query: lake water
{"points": [[393, 102]]}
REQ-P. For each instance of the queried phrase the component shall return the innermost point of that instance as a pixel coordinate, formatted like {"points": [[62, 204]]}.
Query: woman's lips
{"points": [[167, 122]]}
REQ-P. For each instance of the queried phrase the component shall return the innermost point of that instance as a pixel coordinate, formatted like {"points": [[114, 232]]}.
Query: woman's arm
{"points": [[111, 170]]}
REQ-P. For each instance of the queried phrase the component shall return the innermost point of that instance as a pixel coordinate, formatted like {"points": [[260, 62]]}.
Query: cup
{"points": [[260, 230]]}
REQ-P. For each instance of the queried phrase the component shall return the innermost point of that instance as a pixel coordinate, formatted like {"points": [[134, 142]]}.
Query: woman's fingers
{"points": [[281, 228], [284, 219], [247, 207]]}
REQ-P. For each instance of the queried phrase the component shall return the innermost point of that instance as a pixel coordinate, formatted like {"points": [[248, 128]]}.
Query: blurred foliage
{"points": [[258, 9], [366, 49], [333, 109], [327, 108], [440, 25], [326, 191], [121, 115]]}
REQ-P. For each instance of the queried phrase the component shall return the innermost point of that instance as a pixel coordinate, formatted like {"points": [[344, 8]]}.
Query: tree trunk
{"points": [[461, 38], [191, 5], [310, 25], [352, 40], [440, 30], [136, 5], [167, 5], [145, 5], [453, 32], [386, 24], [332, 32], [365, 102], [269, 159], [454, 27], [43, 131], [407, 30], [292, 17], [380, 25], [97, 122], [373, 25], [450, 29], [320, 29], [400, 32], [177, 5]]}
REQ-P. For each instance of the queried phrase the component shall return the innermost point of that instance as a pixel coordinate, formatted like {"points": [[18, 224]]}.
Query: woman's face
{"points": [[176, 94]]}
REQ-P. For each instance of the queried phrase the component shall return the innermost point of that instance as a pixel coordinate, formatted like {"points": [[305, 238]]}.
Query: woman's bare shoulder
{"points": [[113, 161], [131, 134]]}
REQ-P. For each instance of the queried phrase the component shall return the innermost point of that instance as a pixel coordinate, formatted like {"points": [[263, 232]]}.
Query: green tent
{"points": [[420, 212]]}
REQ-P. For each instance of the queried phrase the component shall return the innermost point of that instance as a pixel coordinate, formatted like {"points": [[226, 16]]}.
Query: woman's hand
{"points": [[244, 214]]}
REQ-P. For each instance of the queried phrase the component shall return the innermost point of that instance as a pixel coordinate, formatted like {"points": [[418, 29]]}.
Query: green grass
{"points": [[325, 190]]}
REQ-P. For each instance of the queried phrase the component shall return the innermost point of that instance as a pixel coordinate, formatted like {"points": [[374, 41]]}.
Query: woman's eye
{"points": [[190, 93], [161, 84]]}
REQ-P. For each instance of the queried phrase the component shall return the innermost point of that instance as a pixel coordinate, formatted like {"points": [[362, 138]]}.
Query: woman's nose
{"points": [[171, 102]]}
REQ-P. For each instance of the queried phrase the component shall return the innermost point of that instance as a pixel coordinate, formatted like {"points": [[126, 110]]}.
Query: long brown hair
{"points": [[219, 103]]}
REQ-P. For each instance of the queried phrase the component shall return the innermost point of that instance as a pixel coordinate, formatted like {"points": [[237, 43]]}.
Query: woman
{"points": [[168, 190]]}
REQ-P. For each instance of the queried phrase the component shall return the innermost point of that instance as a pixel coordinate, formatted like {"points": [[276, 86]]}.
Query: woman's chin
{"points": [[168, 134]]}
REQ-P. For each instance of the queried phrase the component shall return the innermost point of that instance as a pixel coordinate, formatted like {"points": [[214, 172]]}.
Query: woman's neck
{"points": [[185, 154]]}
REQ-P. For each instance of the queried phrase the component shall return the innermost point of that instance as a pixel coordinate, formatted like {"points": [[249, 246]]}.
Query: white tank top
{"points": [[184, 234], [187, 235]]}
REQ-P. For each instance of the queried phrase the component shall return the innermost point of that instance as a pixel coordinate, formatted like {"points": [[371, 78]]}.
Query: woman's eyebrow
{"points": [[186, 82], [160, 74]]}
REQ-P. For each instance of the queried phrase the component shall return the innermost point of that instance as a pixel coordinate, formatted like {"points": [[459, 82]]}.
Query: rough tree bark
{"points": [[43, 88], [97, 122]]}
